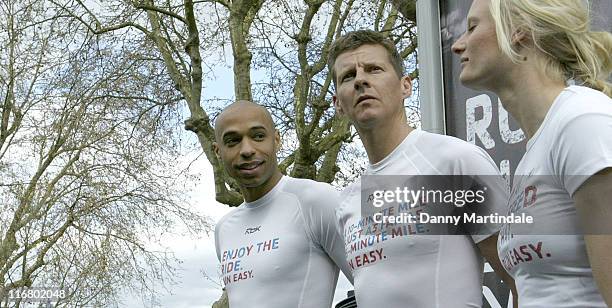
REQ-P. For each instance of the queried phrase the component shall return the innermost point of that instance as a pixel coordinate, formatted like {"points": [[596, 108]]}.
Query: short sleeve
{"points": [[218, 227], [319, 208], [583, 148], [217, 231], [478, 163]]}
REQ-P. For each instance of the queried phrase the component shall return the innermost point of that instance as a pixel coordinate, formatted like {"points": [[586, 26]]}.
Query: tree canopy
{"points": [[94, 97]]}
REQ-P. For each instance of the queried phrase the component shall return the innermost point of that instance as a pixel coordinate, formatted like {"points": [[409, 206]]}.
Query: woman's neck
{"points": [[528, 93]]}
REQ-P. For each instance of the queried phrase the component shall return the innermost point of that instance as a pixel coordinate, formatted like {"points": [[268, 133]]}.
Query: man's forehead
{"points": [[362, 55], [243, 116], [239, 127]]}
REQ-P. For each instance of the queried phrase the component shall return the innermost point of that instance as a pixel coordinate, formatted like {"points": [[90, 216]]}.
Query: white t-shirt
{"points": [[283, 249], [416, 269], [573, 143]]}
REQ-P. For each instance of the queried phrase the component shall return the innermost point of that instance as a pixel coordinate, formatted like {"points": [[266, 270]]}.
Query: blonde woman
{"points": [[550, 71]]}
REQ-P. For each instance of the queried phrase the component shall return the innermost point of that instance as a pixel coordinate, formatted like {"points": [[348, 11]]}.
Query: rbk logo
{"points": [[252, 230]]}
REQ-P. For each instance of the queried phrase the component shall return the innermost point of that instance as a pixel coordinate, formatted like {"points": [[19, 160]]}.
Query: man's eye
{"points": [[348, 76], [231, 142], [471, 28], [259, 136], [376, 69]]}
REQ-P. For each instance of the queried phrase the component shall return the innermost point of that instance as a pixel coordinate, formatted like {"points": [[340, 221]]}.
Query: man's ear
{"points": [[406, 86], [337, 106], [277, 141], [216, 149]]}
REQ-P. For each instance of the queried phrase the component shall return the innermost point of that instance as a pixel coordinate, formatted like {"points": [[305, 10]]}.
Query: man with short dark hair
{"points": [[418, 269], [280, 248]]}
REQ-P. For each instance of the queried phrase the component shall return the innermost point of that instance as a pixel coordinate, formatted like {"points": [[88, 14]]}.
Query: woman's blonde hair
{"points": [[561, 30]]}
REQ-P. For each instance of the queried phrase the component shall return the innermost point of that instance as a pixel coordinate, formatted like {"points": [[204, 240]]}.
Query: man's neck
{"points": [[251, 194], [380, 141]]}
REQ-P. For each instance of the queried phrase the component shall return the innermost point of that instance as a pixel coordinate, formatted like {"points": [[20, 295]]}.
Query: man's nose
{"points": [[361, 79], [246, 148]]}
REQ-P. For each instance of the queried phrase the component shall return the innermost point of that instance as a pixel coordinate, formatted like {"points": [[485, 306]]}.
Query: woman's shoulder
{"points": [[588, 96], [580, 101]]}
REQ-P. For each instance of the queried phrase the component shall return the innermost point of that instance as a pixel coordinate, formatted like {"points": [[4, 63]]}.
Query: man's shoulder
{"points": [[448, 155], [351, 189], [348, 197], [225, 218], [448, 147], [300, 185], [308, 191]]}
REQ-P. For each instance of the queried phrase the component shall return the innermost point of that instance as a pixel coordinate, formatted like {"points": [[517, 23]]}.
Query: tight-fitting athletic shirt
{"points": [[420, 270], [281, 250], [573, 143]]}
